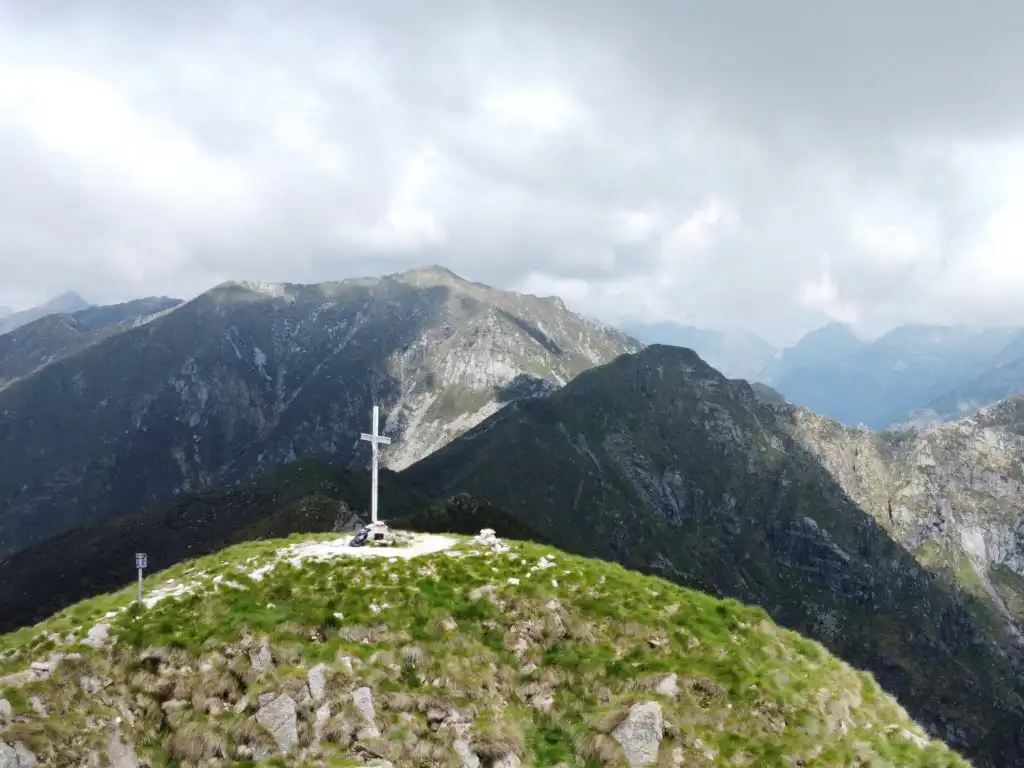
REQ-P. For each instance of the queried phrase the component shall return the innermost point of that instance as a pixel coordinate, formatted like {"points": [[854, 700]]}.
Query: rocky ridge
{"points": [[439, 652], [252, 375]]}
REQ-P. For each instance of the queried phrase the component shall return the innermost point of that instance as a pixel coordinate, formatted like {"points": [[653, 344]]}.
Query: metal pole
{"points": [[140, 585], [373, 490]]}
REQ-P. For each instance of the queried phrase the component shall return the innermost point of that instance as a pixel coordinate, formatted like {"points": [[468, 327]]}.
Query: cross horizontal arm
{"points": [[375, 438]]}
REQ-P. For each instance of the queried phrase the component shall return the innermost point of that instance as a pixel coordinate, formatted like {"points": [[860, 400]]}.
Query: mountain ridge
{"points": [[65, 303], [176, 405], [688, 474]]}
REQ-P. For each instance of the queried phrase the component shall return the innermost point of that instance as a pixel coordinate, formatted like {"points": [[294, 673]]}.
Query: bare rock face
{"points": [[362, 698], [669, 686], [323, 714], [98, 636], [279, 718], [260, 658], [17, 756], [119, 754], [465, 753], [316, 680], [640, 734]]}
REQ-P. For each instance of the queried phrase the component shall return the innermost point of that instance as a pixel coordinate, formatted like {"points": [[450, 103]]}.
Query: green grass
{"points": [[426, 633]]}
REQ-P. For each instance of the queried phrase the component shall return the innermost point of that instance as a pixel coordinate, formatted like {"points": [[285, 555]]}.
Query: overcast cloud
{"points": [[769, 166]]}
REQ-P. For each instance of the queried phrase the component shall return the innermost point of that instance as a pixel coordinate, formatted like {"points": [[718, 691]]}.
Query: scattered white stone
{"points": [[6, 711], [487, 538], [669, 686], [513, 581], [92, 685], [468, 757], [98, 636]]}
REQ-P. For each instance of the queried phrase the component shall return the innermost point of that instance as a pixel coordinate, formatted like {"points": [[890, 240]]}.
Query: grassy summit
{"points": [[464, 656]]}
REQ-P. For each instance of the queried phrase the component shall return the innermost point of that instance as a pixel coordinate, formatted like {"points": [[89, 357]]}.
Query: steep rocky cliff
{"points": [[953, 495], [249, 376], [658, 461]]}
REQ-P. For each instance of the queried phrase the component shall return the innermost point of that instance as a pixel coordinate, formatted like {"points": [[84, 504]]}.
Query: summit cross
{"points": [[375, 440]]}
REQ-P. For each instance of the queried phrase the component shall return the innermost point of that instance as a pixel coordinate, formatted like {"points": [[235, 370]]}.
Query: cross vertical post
{"points": [[375, 439]]}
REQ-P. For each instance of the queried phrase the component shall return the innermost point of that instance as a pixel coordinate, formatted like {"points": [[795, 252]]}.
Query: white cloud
{"points": [[673, 160], [822, 295]]}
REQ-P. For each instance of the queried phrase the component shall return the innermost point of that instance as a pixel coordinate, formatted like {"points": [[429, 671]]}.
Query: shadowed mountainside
{"points": [[657, 461]]}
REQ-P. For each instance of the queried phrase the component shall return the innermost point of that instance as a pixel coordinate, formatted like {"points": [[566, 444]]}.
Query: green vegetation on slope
{"points": [[528, 652], [306, 496]]}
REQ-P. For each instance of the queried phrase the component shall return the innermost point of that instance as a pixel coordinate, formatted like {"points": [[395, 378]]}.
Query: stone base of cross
{"points": [[379, 533]]}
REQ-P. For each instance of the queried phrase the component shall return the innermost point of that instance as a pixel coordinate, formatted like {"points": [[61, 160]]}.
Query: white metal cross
{"points": [[375, 440]]}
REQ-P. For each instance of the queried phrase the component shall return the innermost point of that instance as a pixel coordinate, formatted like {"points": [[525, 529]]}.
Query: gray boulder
{"points": [[279, 718], [640, 734]]}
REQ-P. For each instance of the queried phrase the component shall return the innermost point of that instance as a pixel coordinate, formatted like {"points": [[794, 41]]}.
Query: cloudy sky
{"points": [[767, 166]]}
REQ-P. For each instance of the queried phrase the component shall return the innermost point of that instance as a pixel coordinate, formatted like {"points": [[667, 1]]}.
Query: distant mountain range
{"points": [[65, 303], [739, 355], [913, 375]]}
